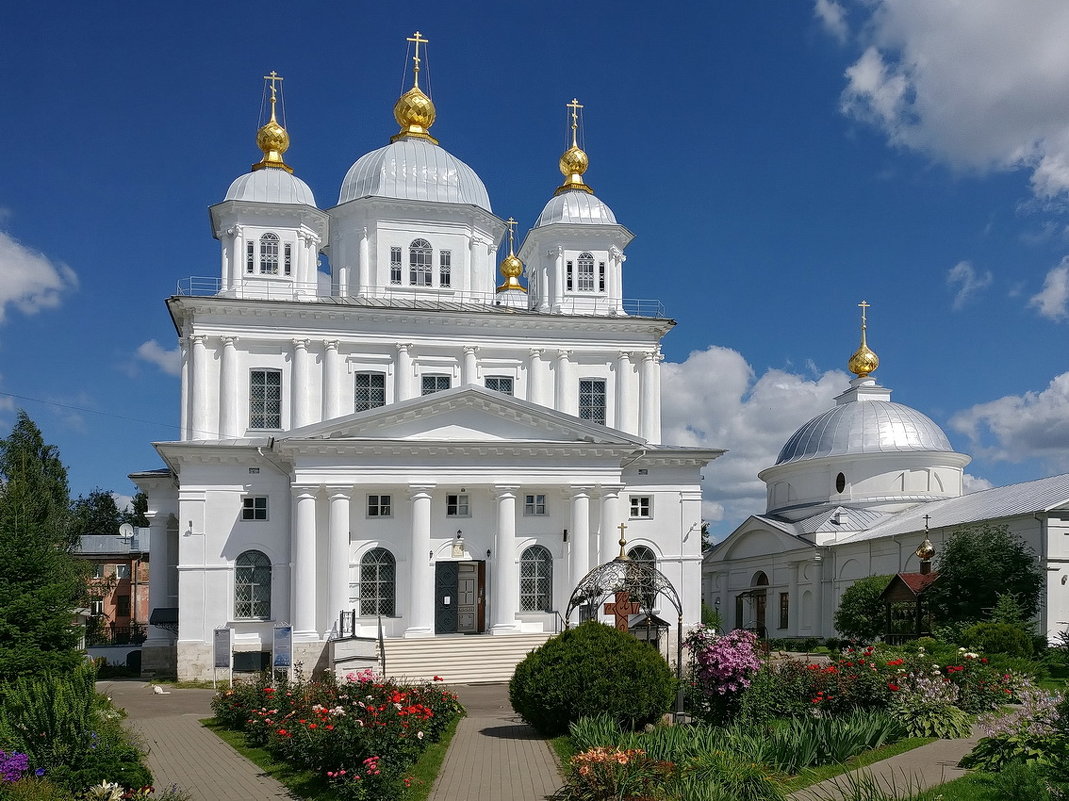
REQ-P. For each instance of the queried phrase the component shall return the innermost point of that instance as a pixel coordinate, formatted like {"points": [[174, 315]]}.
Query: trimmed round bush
{"points": [[589, 670], [999, 638]]}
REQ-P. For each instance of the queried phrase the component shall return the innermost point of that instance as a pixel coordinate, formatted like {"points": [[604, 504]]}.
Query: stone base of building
{"points": [[313, 657], [159, 660]]}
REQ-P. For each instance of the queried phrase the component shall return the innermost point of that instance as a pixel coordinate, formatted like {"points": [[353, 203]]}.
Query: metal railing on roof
{"points": [[402, 297]]}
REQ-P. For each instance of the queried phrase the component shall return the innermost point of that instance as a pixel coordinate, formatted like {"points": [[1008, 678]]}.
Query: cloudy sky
{"points": [[778, 162]]}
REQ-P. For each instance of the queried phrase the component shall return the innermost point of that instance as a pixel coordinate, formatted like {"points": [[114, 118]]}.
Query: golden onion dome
{"points": [[415, 113], [574, 162], [925, 551], [511, 266], [272, 138], [864, 360]]}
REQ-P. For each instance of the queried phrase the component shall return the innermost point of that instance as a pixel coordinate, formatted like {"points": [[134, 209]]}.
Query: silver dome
{"points": [[414, 169], [871, 426], [270, 185], [575, 206]]}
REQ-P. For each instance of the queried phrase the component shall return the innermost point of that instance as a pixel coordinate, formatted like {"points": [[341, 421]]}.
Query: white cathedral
{"points": [[409, 442]]}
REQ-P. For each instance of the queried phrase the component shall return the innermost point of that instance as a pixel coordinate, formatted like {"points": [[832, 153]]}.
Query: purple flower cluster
{"points": [[1037, 715], [724, 664], [13, 766]]}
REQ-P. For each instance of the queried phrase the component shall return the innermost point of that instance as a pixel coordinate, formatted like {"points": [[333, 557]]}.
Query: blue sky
{"points": [[778, 162]]}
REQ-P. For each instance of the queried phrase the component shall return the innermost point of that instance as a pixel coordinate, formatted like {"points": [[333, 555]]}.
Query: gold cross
{"points": [[273, 77], [415, 58], [511, 223], [863, 305], [574, 106]]}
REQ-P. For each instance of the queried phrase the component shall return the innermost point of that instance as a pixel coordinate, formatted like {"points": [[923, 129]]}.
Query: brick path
{"points": [[181, 751]]}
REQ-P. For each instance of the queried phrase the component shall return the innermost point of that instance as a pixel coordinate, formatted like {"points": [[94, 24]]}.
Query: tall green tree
{"points": [[95, 513], [134, 514], [861, 614], [978, 564], [40, 581]]}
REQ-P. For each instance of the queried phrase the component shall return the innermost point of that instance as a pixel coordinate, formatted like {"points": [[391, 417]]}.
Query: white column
{"points": [[364, 266], [331, 380], [228, 389], [469, 370], [301, 413], [534, 376], [504, 578], [656, 390], [624, 398], [303, 585], [338, 538], [473, 269], [402, 377], [186, 411], [561, 396], [610, 522], [647, 401], [794, 607], [557, 255], [579, 537], [198, 424], [158, 573], [421, 589]]}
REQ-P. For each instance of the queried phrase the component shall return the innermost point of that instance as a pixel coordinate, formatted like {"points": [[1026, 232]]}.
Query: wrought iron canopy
{"points": [[641, 580]]}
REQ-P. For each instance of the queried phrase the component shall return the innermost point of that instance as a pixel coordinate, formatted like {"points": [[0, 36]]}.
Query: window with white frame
{"points": [[250, 256], [122, 571], [254, 507], [419, 262], [500, 383], [287, 263], [601, 276], [643, 555], [98, 570], [536, 579], [395, 265], [252, 586], [370, 390], [592, 399], [534, 504], [96, 607], [265, 399], [570, 275], [641, 507], [378, 506], [584, 273], [457, 506], [378, 583], [445, 268], [435, 383], [269, 254]]}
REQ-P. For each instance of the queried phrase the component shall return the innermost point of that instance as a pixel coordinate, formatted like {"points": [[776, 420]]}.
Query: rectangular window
{"points": [[435, 383], [738, 611], [592, 399], [445, 268], [370, 391], [250, 256], [569, 282], [378, 506], [265, 399], [98, 570], [457, 506], [122, 606], [287, 263], [601, 276], [254, 508], [122, 571], [585, 273], [641, 507], [784, 609], [96, 607], [419, 263], [395, 265], [534, 504], [499, 383]]}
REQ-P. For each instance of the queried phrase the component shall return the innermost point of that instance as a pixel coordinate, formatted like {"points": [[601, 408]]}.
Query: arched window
{"points": [[584, 268], [269, 254], [419, 263], [536, 580], [378, 583], [644, 555], [252, 586]]}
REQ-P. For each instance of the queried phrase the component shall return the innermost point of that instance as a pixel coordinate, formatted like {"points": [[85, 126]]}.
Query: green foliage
{"points": [[589, 669], [946, 723], [1006, 564], [1026, 781], [1008, 609], [31, 788], [861, 614], [134, 514], [95, 513], [782, 688], [40, 582], [711, 617], [999, 638]]}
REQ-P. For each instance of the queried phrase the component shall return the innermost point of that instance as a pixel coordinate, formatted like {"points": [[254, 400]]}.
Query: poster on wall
{"points": [[283, 646], [224, 646]]}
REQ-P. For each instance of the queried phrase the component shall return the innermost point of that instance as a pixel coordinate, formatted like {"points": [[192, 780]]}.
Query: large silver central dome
{"points": [[871, 426], [414, 169]]}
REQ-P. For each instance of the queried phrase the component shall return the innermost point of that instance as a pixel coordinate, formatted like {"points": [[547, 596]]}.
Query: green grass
{"points": [[811, 776], [564, 748], [310, 786]]}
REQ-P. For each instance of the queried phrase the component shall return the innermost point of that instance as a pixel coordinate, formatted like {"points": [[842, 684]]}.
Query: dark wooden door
{"points": [[445, 597]]}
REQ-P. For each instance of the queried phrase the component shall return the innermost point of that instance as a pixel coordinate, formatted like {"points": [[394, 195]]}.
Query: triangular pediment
{"points": [[756, 536], [464, 414]]}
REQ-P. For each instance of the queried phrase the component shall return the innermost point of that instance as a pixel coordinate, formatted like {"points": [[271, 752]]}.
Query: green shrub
{"points": [[31, 788], [999, 638], [780, 689], [862, 614], [590, 669]]}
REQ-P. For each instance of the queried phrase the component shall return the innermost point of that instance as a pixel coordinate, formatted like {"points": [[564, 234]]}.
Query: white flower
{"points": [[419, 735]]}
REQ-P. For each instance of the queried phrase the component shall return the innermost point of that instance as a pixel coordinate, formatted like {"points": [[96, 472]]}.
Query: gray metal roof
{"points": [[1012, 500], [870, 426], [270, 185], [113, 544], [575, 206]]}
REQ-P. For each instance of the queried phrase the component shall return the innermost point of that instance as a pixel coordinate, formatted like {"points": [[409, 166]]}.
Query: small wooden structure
{"points": [[910, 588]]}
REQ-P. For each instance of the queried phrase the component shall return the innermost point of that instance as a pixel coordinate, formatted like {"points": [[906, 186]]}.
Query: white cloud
{"points": [[965, 281], [29, 280], [972, 483], [1019, 427], [170, 361], [714, 399], [982, 84], [122, 501], [833, 17], [1053, 300]]}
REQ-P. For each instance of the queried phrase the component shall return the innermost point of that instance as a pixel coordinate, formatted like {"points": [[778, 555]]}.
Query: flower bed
{"points": [[362, 735]]}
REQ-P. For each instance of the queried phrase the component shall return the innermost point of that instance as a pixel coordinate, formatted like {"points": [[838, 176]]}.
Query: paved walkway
{"points": [[181, 751]]}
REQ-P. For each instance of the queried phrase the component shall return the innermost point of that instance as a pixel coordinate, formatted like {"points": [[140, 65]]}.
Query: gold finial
{"points": [[623, 557], [414, 111], [272, 138], [864, 360], [511, 266], [925, 551], [574, 162]]}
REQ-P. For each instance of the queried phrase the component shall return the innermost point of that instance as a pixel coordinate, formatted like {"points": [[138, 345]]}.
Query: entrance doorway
{"points": [[459, 597]]}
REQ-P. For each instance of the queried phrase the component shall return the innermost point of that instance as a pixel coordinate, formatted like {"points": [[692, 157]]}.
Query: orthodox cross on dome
{"points": [[926, 519], [864, 361], [623, 541], [621, 608], [274, 78], [418, 40], [574, 106], [511, 223], [863, 305]]}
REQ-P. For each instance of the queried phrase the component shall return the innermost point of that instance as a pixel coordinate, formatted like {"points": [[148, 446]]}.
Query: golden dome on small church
{"points": [[864, 360], [575, 161], [414, 110], [272, 138], [511, 266]]}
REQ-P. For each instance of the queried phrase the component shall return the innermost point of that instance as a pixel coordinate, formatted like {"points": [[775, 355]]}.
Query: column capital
{"points": [[305, 490], [563, 353], [472, 349], [339, 493], [611, 490], [420, 490], [505, 490], [577, 492], [536, 353], [625, 354], [403, 347], [300, 344], [198, 339], [555, 252], [330, 344], [229, 341], [649, 355]]}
